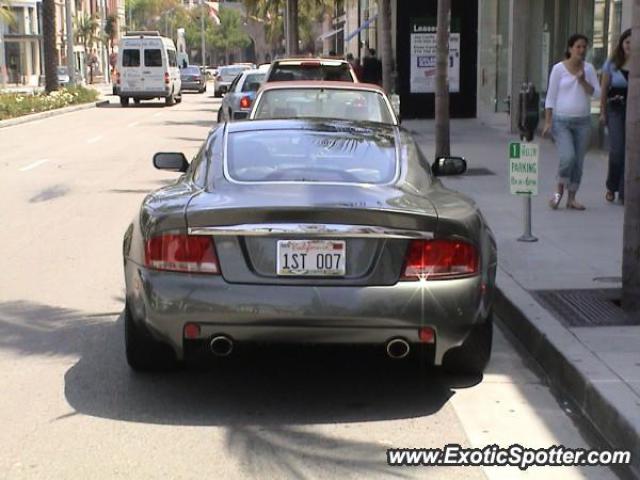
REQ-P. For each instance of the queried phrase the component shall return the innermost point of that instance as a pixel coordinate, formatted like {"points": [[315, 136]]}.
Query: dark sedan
{"points": [[309, 232], [193, 78]]}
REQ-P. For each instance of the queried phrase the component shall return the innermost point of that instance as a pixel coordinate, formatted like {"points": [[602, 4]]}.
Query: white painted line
{"points": [[34, 165], [133, 124], [94, 139]]}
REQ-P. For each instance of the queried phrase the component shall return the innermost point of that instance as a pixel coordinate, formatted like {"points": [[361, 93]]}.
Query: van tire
{"points": [[137, 101], [179, 97], [170, 100], [124, 101]]}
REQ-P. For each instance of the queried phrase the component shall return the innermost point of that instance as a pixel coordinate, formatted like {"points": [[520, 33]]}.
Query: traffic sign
{"points": [[523, 168]]}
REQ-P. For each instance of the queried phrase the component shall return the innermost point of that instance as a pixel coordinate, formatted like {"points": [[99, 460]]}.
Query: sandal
{"points": [[609, 196], [555, 201], [575, 206]]}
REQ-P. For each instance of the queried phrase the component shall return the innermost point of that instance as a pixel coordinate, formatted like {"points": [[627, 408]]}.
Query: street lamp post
{"points": [[71, 63], [202, 33]]}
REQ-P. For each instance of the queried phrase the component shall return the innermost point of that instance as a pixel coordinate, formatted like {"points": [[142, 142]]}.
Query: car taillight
{"points": [[167, 79], [182, 253], [245, 102], [440, 259]]}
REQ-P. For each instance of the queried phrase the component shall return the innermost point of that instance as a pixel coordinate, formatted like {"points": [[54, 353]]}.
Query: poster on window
{"points": [[423, 56]]}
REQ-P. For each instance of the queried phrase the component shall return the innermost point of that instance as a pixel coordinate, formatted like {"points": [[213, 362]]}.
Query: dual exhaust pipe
{"points": [[222, 346]]}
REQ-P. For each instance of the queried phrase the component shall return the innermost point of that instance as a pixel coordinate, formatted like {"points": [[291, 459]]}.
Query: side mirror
{"points": [[171, 161], [449, 166]]}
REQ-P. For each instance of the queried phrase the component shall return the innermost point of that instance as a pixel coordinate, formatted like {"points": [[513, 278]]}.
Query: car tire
{"points": [[220, 119], [178, 98], [217, 94], [124, 101], [143, 353], [170, 100], [472, 357], [137, 101]]}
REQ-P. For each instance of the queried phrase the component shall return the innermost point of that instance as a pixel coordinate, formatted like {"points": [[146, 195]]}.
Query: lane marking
{"points": [[94, 139], [133, 124], [34, 165]]}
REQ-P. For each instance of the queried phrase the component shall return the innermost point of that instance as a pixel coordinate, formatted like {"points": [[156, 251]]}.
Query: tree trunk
{"points": [[443, 147], [292, 27], [385, 39], [49, 43], [631, 235]]}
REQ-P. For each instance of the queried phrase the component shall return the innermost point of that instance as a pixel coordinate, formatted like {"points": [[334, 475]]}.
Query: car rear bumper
{"points": [[164, 302], [144, 95], [192, 85], [240, 115]]}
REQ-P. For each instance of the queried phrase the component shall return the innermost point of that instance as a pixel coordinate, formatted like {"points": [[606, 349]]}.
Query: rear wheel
{"points": [[179, 97], [143, 352], [124, 101], [217, 94], [137, 101], [170, 100], [472, 357]]}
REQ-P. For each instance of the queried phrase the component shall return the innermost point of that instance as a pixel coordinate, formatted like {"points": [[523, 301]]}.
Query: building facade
{"points": [[20, 44]]}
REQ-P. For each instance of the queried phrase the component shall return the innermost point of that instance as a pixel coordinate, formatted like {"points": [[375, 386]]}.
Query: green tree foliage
{"points": [[6, 15]]}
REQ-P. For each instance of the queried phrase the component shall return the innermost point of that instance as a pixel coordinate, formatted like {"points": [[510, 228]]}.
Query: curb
{"points": [[599, 394], [51, 113]]}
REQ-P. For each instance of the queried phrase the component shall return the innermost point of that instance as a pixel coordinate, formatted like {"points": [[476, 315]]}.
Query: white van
{"points": [[147, 68]]}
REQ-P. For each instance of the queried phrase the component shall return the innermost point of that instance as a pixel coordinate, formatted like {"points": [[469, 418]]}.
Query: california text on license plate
{"points": [[311, 257]]}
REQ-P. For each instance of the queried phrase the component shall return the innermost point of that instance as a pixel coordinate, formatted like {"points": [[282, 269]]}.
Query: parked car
{"points": [[332, 69], [225, 76], [193, 78], [147, 68], [309, 232], [314, 99], [236, 104]]}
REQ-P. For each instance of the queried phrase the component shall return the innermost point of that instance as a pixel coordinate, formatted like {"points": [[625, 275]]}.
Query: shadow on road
{"points": [[264, 398], [50, 193], [132, 105]]}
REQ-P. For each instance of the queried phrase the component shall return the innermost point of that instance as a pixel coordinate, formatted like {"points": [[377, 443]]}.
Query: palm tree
{"points": [[86, 32], [49, 42], [443, 146], [111, 30], [631, 235]]}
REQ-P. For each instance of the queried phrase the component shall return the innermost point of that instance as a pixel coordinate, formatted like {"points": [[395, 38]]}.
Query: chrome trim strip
{"points": [[315, 230]]}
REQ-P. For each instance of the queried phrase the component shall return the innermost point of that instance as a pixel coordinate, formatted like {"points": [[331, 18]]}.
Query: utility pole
{"points": [[443, 142], [291, 27], [202, 33], [71, 63], [631, 228]]}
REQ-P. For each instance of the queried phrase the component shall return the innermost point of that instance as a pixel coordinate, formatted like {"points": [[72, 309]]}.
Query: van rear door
{"points": [[131, 71], [154, 65]]}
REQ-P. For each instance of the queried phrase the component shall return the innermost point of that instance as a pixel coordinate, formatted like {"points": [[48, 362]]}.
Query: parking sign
{"points": [[523, 168]]}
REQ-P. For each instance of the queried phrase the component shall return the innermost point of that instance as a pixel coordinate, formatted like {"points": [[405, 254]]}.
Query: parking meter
{"points": [[528, 111]]}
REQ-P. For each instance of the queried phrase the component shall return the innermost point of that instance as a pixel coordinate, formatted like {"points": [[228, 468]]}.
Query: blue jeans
{"points": [[572, 135], [616, 118]]}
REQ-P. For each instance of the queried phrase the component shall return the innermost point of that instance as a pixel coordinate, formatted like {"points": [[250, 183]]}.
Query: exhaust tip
{"points": [[398, 348], [221, 346]]}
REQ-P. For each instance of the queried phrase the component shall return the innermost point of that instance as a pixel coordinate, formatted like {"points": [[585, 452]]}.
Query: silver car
{"points": [[238, 100], [225, 76], [309, 232]]}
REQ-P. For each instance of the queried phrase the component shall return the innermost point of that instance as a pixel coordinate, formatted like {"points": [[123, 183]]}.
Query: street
{"points": [[71, 408]]}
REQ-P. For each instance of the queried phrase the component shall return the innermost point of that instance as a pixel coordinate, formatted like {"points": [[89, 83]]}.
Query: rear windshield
{"points": [[191, 70], [311, 156], [311, 71], [153, 58], [254, 78], [131, 57], [231, 71], [324, 103]]}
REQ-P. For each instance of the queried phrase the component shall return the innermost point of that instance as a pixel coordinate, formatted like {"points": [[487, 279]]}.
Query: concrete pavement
{"points": [[558, 295]]}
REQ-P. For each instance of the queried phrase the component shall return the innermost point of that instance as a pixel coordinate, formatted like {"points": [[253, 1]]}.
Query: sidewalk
{"points": [[557, 295]]}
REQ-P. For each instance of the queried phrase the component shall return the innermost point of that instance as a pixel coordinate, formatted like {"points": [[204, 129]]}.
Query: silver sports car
{"points": [[309, 232]]}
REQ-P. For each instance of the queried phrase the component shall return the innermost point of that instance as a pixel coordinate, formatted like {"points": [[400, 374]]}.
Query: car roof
{"points": [[253, 71], [322, 84], [326, 60]]}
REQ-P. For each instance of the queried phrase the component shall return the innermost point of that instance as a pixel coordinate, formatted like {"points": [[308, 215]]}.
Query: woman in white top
{"points": [[572, 83]]}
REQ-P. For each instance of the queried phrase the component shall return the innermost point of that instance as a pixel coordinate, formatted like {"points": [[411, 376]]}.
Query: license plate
{"points": [[326, 258]]}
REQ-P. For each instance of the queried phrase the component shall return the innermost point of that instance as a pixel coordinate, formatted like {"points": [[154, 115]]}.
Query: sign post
{"points": [[523, 179]]}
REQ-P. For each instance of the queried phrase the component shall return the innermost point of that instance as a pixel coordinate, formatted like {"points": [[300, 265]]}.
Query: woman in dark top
{"points": [[613, 107]]}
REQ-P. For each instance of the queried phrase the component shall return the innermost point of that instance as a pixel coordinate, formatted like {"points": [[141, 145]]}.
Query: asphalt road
{"points": [[70, 407]]}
